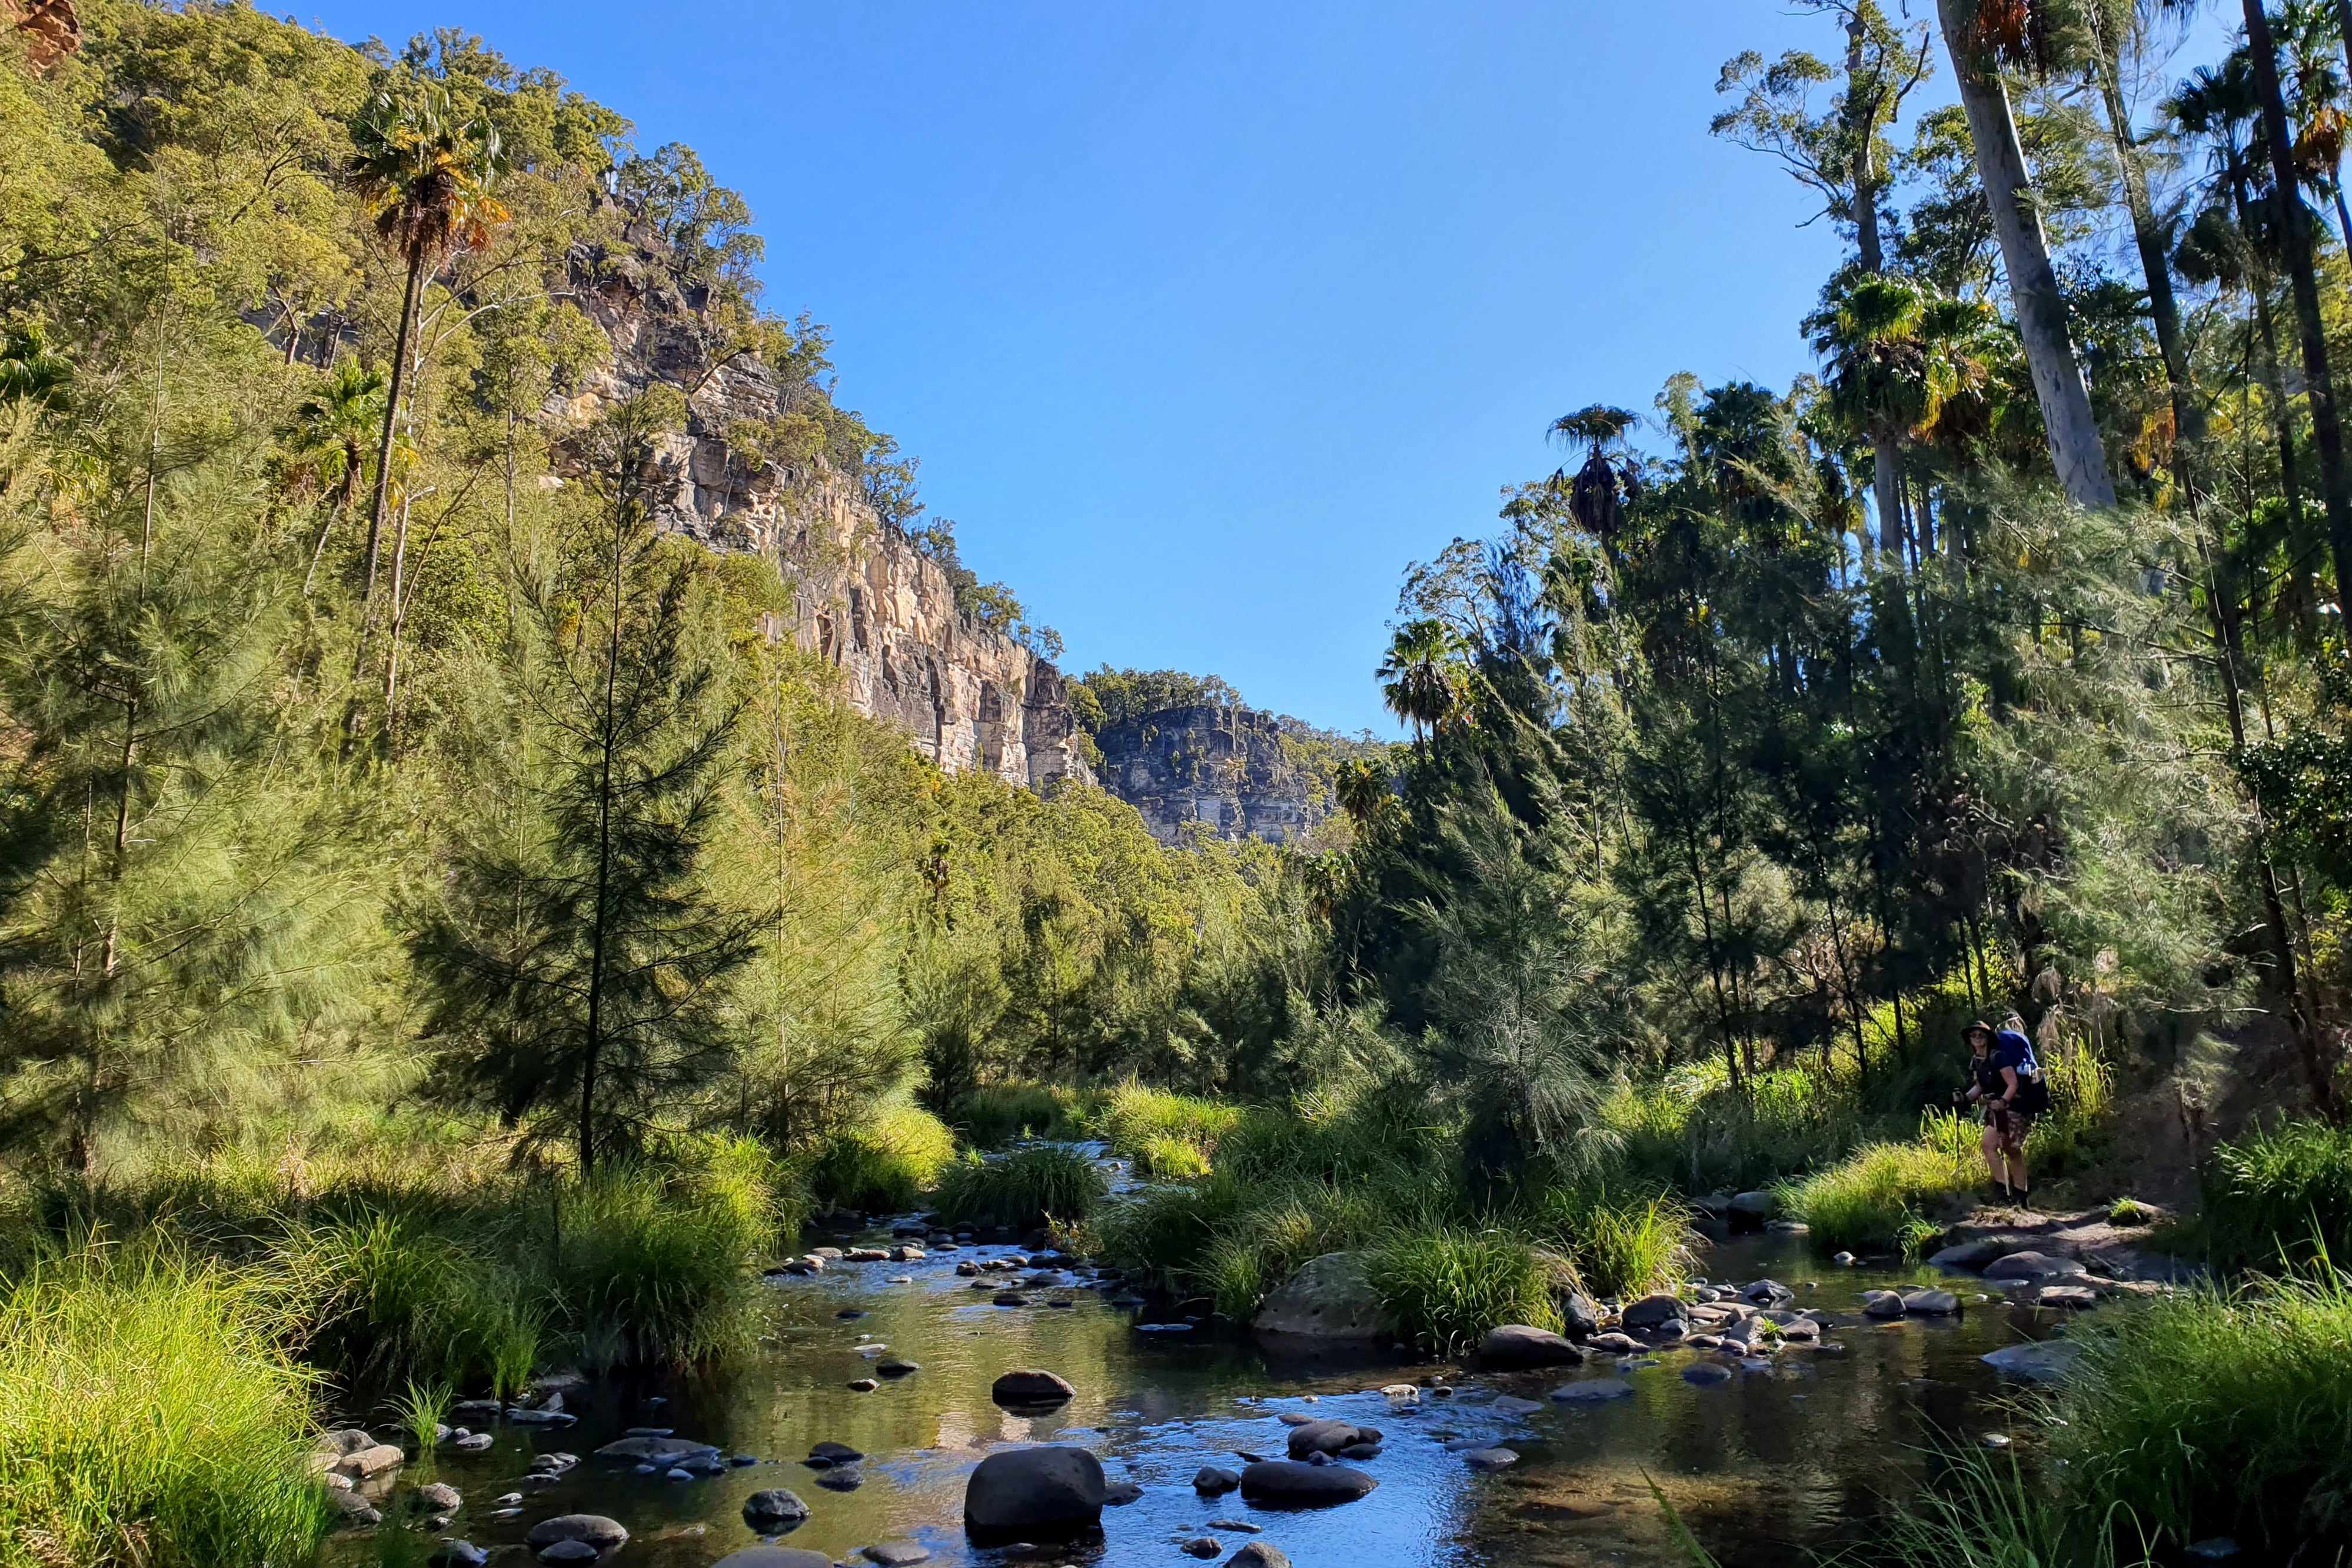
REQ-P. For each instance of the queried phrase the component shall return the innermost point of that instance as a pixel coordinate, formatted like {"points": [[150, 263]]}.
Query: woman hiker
{"points": [[2006, 1081]]}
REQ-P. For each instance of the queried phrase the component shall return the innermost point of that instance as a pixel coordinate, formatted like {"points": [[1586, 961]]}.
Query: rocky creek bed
{"points": [[1765, 1450]]}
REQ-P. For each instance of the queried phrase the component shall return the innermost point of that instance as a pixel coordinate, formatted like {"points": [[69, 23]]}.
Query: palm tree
{"points": [[330, 430], [1976, 51], [427, 176], [1423, 677], [1596, 500], [2295, 233], [1363, 788]]}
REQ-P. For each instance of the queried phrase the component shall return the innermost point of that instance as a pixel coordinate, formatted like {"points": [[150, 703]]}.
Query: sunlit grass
{"points": [[882, 1166], [1446, 1288], [1032, 1187], [1877, 1194]]}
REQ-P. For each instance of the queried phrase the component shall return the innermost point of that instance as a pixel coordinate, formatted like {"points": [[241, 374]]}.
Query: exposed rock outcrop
{"points": [[867, 601], [51, 30], [1229, 769]]}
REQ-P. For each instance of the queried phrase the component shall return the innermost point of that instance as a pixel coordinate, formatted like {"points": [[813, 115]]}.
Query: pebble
{"points": [[863, 1385], [1996, 1440]]}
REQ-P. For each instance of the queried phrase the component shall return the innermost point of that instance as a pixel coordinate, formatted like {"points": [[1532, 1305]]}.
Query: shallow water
{"points": [[1763, 1468]]}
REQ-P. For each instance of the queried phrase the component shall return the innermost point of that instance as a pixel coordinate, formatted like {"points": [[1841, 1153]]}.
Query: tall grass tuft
{"points": [[1153, 1125], [1619, 1246], [1984, 1511], [150, 1415], [655, 1264], [883, 1166], [995, 1116], [1032, 1187], [2207, 1414], [1446, 1288], [420, 1409], [1881, 1193], [2280, 1194]]}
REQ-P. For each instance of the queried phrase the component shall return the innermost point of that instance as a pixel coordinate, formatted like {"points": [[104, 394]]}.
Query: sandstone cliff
{"points": [[868, 600], [1224, 770]]}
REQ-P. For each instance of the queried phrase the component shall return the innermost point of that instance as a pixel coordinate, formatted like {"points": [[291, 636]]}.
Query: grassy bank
{"points": [[150, 1414]]}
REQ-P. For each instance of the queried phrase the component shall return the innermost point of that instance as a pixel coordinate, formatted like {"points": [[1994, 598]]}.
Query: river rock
{"points": [[1650, 1312], [1845, 1260], [1490, 1459], [1329, 1298], [1329, 1438], [1757, 1206], [440, 1497], [1211, 1480], [1521, 1344], [1118, 1494], [604, 1534], [2044, 1361], [1930, 1303], [1613, 1344], [560, 1551], [774, 1557], [1593, 1391], [1580, 1314], [824, 1455], [774, 1511], [2074, 1298], [1031, 1386], [369, 1463], [662, 1451], [1022, 1493], [1259, 1555], [1881, 1304], [2033, 1266], [896, 1554], [1767, 1293], [457, 1554], [1706, 1374], [354, 1511], [1201, 1546], [1286, 1483]]}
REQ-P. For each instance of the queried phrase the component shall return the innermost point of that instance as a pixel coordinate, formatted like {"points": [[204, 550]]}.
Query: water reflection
{"points": [[1764, 1467]]}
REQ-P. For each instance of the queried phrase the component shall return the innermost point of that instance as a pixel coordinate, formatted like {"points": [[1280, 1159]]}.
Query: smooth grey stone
{"points": [[1286, 1483], [1706, 1374], [1490, 1459], [1054, 1489], [604, 1534], [1593, 1391]]}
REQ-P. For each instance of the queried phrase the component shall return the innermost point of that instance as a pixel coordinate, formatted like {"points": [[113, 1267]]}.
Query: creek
{"points": [[1767, 1468]]}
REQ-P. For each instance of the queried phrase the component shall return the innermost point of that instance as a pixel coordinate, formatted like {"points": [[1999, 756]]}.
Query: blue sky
{"points": [[1206, 318]]}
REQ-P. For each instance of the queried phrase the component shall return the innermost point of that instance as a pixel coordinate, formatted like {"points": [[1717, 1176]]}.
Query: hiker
{"points": [[2007, 1083]]}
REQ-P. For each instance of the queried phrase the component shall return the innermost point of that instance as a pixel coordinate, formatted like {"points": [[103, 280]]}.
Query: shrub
{"points": [[1880, 1192], [1446, 1289], [996, 1114], [2280, 1193], [2207, 1414], [1142, 1122], [1032, 1187], [150, 1415], [885, 1166]]}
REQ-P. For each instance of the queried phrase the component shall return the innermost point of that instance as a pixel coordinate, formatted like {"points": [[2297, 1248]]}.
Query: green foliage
{"points": [[1446, 1288], [1983, 1509], [1871, 1198], [1170, 1135], [883, 1166], [1620, 1246], [149, 1413], [2210, 1413], [996, 1114], [655, 1266], [1045, 1184], [2280, 1197]]}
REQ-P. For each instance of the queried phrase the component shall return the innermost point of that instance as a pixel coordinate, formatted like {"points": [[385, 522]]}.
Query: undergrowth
{"points": [[1043, 1184]]}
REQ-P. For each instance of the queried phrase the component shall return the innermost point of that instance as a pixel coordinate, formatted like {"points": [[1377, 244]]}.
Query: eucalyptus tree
{"points": [[1839, 152], [1978, 53]]}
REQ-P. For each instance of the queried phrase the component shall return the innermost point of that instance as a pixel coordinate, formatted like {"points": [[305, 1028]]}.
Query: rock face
{"points": [[1224, 770], [1329, 1298], [51, 30], [865, 600]]}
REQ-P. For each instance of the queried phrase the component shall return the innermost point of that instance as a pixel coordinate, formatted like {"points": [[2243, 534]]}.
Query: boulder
{"points": [[1593, 1391], [1757, 1206], [1329, 1298], [1213, 1481], [1705, 1373], [1518, 1344], [1650, 1312], [2033, 1266], [1580, 1314], [1883, 1305], [2044, 1361], [354, 1511], [1031, 1386], [1022, 1493], [662, 1451], [369, 1463], [1286, 1483], [774, 1557], [1767, 1293], [440, 1497], [774, 1511], [1931, 1303], [604, 1534], [1118, 1494], [351, 1440], [1329, 1438], [822, 1456], [1258, 1554]]}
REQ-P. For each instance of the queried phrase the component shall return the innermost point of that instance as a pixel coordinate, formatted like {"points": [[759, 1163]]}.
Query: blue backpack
{"points": [[2033, 1087]]}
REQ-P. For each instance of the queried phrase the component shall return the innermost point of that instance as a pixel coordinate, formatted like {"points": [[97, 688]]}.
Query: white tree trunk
{"points": [[2073, 435]]}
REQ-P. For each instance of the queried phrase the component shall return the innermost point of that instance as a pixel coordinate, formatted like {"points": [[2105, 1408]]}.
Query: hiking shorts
{"points": [[2010, 1126]]}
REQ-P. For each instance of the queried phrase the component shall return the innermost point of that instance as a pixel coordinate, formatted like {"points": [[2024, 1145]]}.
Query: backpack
{"points": [[2033, 1085]]}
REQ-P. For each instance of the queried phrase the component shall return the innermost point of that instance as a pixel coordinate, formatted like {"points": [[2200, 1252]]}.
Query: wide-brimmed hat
{"points": [[1990, 1031]]}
